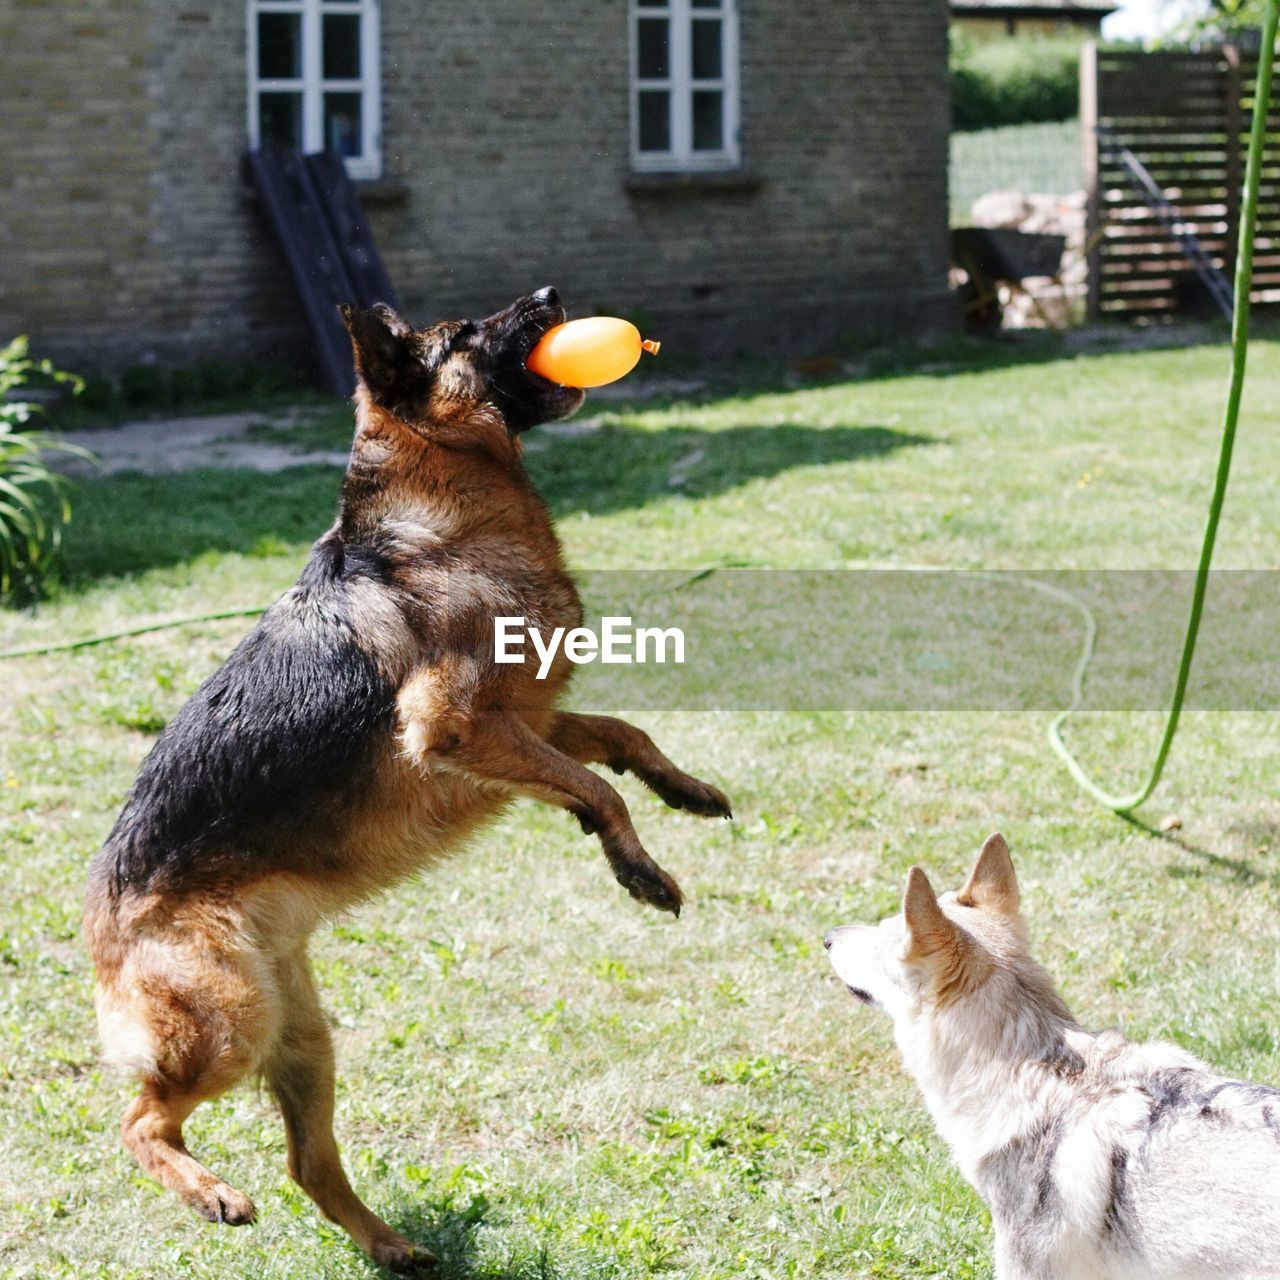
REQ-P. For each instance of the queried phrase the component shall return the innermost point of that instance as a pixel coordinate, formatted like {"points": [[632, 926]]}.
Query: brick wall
{"points": [[126, 231], [844, 127], [219, 281], [74, 143]]}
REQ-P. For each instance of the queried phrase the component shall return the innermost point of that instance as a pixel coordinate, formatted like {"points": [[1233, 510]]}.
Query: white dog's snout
{"points": [[834, 935], [851, 950]]}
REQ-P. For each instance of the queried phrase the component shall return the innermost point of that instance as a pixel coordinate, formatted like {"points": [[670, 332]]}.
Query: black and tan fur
{"points": [[357, 734]]}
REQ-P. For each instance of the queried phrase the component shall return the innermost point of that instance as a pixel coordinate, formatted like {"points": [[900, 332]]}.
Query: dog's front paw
{"points": [[652, 886], [682, 791]]}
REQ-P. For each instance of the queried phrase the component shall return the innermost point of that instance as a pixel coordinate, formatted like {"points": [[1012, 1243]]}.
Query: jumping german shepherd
{"points": [[357, 734], [1101, 1159]]}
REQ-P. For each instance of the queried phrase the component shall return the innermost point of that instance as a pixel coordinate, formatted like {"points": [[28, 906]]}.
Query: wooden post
{"points": [[1233, 176], [1089, 169]]}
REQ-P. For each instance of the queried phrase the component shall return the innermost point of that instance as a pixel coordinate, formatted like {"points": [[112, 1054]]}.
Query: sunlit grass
{"points": [[537, 1077]]}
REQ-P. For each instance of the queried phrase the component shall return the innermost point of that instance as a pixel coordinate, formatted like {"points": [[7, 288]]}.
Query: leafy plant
{"points": [[1226, 20], [33, 497], [1001, 82]]}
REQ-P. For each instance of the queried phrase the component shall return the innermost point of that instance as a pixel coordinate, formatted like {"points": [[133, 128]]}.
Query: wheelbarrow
{"points": [[992, 256]]}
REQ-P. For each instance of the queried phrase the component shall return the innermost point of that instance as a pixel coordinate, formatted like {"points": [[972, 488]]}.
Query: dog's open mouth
{"points": [[527, 397], [542, 319], [530, 336]]}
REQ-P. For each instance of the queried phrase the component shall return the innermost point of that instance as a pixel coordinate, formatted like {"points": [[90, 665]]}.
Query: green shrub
{"points": [[33, 498], [184, 387], [1000, 82], [99, 395], [278, 379], [145, 388], [1227, 20], [145, 385], [220, 380]]}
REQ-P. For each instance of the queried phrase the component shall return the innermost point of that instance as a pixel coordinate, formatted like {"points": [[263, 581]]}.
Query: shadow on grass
{"points": [[618, 468], [1215, 865], [450, 1233], [129, 523]]}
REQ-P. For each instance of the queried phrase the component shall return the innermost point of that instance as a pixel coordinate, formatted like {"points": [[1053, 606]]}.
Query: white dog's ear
{"points": [[992, 884], [927, 927]]}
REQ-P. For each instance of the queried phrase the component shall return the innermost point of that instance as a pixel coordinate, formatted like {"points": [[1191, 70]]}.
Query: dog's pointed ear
{"points": [[927, 926], [992, 884], [380, 339]]}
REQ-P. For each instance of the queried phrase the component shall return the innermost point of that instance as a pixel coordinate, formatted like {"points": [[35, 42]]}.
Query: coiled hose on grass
{"points": [[1125, 804]]}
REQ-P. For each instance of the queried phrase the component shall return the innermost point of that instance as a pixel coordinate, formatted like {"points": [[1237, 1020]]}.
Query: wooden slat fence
{"points": [[1186, 117]]}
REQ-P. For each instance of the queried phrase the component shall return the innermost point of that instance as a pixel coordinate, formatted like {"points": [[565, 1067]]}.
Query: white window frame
{"points": [[680, 85], [312, 83]]}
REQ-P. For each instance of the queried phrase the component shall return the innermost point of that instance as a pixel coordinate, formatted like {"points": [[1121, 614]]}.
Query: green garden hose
{"points": [[66, 646], [1124, 804]]}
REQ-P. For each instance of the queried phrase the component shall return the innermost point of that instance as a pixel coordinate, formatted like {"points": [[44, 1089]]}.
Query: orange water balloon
{"points": [[589, 353]]}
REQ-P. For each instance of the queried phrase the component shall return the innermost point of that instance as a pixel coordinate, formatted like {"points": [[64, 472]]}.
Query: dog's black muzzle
{"points": [[525, 398]]}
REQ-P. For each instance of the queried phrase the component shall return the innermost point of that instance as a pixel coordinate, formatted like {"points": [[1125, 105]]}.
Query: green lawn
{"points": [[539, 1078]]}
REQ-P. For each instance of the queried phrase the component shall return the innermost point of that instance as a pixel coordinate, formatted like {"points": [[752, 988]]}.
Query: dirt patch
{"points": [[159, 445], [229, 441]]}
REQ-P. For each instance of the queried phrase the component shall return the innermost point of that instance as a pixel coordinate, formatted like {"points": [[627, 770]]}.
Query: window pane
{"points": [[653, 57], [342, 123], [342, 46], [279, 46], [708, 120], [655, 120], [704, 4], [280, 118], [706, 49]]}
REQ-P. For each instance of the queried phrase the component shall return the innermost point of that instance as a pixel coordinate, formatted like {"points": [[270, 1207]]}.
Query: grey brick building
{"points": [[739, 172]]}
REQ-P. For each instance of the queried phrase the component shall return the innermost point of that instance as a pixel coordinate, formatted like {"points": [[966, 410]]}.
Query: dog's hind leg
{"points": [[502, 748], [300, 1074], [187, 1044], [624, 748], [152, 1131]]}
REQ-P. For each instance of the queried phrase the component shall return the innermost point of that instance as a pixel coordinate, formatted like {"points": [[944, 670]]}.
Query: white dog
{"points": [[1100, 1159]]}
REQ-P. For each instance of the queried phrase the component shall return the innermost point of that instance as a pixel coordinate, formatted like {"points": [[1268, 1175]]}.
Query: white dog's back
{"points": [[1208, 1180], [1142, 1165], [1100, 1159]]}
